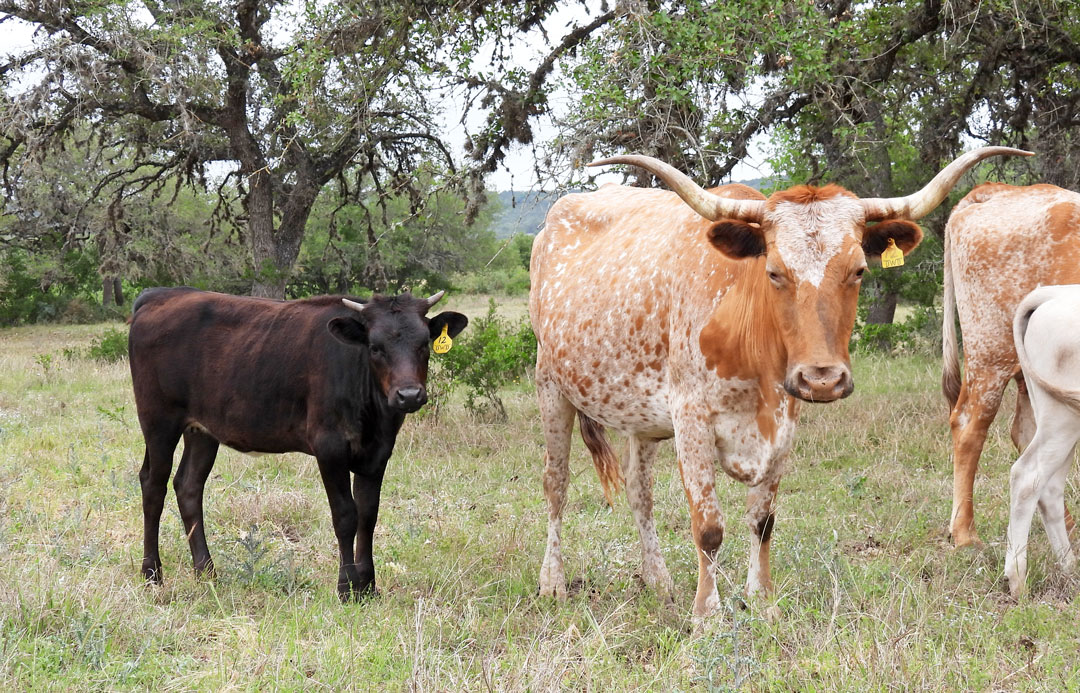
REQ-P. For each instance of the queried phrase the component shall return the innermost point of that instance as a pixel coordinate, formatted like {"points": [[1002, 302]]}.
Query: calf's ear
{"points": [[905, 233], [348, 330], [455, 323], [736, 238]]}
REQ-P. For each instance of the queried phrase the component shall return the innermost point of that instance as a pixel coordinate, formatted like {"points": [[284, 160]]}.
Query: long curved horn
{"points": [[358, 307], [434, 298], [918, 205], [708, 205]]}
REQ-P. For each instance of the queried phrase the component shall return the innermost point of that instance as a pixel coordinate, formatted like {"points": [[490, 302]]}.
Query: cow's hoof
{"points": [[973, 543], [556, 591]]}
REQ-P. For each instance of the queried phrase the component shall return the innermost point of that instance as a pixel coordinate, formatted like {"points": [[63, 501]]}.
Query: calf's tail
{"points": [[604, 458], [1024, 312]]}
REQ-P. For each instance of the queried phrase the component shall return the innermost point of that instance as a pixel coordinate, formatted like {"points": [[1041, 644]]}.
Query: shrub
{"points": [[490, 354], [510, 282], [109, 347], [918, 333]]}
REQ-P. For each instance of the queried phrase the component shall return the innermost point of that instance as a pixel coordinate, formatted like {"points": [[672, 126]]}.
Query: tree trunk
{"points": [[883, 309], [107, 287], [118, 291], [274, 250]]}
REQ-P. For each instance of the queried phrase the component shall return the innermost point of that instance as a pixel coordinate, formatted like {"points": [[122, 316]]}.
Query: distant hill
{"points": [[524, 211]]}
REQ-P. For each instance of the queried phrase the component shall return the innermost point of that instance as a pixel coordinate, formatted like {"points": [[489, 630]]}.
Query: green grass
{"points": [[873, 596]]}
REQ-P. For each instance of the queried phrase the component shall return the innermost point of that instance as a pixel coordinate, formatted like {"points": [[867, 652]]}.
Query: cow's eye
{"points": [[776, 278], [859, 273], [377, 350]]}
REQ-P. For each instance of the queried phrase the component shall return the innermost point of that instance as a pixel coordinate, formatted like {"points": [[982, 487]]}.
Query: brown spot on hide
{"points": [[765, 527]]}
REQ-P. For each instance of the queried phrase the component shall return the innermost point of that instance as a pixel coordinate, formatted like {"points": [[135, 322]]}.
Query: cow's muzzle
{"points": [[409, 399], [819, 383]]}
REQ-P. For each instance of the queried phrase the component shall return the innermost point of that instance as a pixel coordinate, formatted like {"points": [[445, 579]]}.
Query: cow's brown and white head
{"points": [[816, 243]]}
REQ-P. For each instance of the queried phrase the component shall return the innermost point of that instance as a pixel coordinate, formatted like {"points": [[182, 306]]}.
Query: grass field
{"points": [[873, 597]]}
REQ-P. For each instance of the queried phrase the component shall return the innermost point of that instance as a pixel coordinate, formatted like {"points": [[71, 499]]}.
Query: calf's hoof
{"points": [[152, 575], [356, 595], [206, 571]]}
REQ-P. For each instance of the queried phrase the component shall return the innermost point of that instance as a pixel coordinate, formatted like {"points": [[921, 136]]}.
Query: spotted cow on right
{"points": [[1001, 242]]}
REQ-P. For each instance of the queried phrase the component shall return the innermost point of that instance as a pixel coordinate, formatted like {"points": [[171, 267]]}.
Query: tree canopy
{"points": [[265, 111]]}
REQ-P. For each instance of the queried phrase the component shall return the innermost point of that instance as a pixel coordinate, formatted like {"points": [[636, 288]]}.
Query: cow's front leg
{"points": [[697, 466], [761, 518], [366, 490], [335, 476]]}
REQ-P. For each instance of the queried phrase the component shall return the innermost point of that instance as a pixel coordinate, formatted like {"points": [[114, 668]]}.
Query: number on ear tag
{"points": [[442, 342], [892, 256]]}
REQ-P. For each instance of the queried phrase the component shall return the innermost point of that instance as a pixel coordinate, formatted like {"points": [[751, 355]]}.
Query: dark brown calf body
{"points": [[258, 375]]}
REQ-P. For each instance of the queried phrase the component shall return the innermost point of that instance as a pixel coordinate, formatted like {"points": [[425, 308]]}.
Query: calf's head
{"points": [[815, 243], [397, 336]]}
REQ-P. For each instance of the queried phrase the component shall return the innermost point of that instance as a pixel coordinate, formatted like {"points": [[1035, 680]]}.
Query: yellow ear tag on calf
{"points": [[892, 256], [442, 342]]}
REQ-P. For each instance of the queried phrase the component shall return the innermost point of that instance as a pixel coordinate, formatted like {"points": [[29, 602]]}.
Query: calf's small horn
{"points": [[358, 307], [434, 298]]}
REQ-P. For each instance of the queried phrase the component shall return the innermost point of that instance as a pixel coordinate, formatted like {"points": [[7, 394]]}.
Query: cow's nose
{"points": [[820, 383], [410, 398]]}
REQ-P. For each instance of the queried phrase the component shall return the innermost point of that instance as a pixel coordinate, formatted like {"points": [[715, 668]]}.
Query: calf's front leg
{"points": [[335, 476]]}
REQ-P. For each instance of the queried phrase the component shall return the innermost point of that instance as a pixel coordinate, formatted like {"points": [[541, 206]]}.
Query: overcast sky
{"points": [[517, 171]]}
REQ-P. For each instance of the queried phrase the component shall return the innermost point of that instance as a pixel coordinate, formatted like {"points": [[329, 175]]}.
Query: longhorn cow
{"points": [[707, 316]]}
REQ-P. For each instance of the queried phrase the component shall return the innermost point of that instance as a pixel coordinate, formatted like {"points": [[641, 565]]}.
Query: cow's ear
{"points": [[906, 233], [348, 330], [737, 239], [455, 323]]}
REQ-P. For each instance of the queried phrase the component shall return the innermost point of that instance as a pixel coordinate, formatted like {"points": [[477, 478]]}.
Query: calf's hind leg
{"points": [[200, 451], [154, 478]]}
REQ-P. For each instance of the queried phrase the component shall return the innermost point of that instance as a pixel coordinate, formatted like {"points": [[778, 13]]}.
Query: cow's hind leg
{"points": [[161, 442], [1038, 475], [200, 451], [557, 415], [1022, 431], [971, 418], [639, 493], [1063, 423]]}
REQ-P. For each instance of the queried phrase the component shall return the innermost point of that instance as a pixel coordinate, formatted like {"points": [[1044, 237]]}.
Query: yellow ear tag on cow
{"points": [[442, 342], [892, 256]]}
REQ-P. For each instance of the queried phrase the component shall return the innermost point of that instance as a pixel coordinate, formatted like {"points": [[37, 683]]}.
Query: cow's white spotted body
{"points": [[1002, 241], [1047, 339], [703, 316]]}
